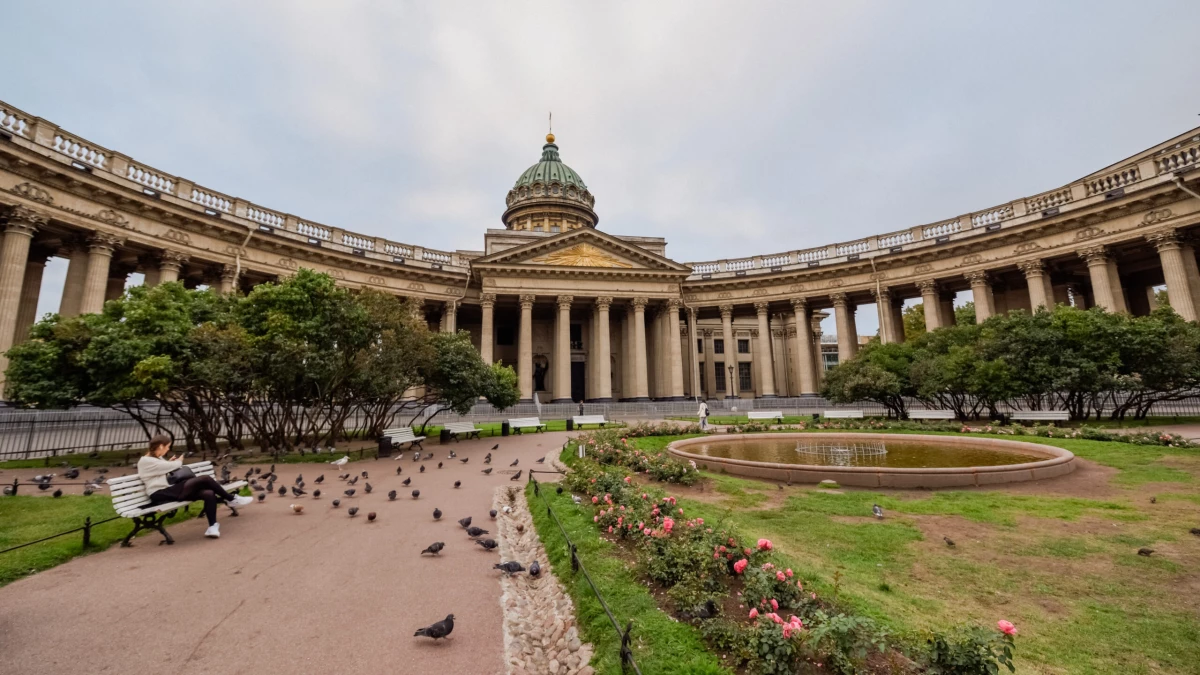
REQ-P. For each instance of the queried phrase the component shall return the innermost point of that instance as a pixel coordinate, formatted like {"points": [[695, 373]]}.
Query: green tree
{"points": [[914, 321], [877, 373], [965, 315]]}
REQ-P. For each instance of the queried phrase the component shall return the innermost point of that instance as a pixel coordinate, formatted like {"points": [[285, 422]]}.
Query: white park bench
{"points": [[402, 435], [931, 414], [580, 420], [131, 500], [456, 429], [765, 415], [1041, 415], [843, 414], [519, 423]]}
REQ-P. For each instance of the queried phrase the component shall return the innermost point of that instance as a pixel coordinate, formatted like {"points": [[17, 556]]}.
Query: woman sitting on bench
{"points": [[153, 470]]}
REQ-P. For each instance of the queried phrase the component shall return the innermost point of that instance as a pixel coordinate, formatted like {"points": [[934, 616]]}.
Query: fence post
{"points": [[87, 532], [574, 558], [626, 652], [29, 440], [16, 484], [99, 431]]}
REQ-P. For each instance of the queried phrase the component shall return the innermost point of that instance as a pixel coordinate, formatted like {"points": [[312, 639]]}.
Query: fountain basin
{"points": [[1014, 461]]}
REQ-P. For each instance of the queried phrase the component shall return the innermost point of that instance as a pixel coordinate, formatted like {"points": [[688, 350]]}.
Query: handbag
{"points": [[180, 475]]}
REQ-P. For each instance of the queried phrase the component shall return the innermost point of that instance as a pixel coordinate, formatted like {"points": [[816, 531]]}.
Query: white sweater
{"points": [[153, 472]]}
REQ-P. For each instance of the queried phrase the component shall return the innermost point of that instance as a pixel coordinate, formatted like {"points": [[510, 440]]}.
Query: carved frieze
{"points": [[1156, 216], [1027, 247], [416, 286], [177, 236], [377, 280], [1088, 233], [111, 217], [288, 263], [33, 193]]}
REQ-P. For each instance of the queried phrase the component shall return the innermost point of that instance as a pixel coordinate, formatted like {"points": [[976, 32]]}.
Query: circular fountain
{"points": [[876, 460]]}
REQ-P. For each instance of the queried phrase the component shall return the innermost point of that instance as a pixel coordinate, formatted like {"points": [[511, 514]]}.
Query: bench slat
{"points": [[931, 414], [843, 414]]}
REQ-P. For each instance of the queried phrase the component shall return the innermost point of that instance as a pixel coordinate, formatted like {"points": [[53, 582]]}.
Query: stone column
{"points": [[818, 357], [22, 224], [77, 266], [31, 291], [1041, 294], [170, 265], [229, 274], [847, 333], [562, 356], [115, 286], [710, 370], [674, 356], [883, 310], [487, 338], [628, 358], [1179, 291], [766, 367], [981, 292], [804, 348], [1188, 251], [604, 356], [932, 304], [641, 390], [897, 309], [693, 336], [100, 251], [730, 350], [450, 316], [525, 349], [1106, 288], [151, 277]]}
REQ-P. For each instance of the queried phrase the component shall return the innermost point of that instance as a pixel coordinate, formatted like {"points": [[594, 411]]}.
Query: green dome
{"points": [[550, 170]]}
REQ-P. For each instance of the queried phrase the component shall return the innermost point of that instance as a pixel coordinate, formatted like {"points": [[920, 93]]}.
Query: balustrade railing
{"points": [[260, 215], [941, 229], [1049, 200], [314, 231], [151, 179], [1179, 159], [211, 200], [898, 239], [355, 241], [79, 151], [1113, 181], [12, 122]]}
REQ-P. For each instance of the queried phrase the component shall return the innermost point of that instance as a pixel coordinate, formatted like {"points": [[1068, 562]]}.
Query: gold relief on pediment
{"points": [[581, 255]]}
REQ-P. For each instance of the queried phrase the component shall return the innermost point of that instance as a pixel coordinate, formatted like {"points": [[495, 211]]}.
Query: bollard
{"points": [[16, 484], [574, 559], [87, 532]]}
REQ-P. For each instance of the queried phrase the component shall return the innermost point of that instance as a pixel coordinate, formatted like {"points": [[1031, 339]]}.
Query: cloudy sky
{"points": [[728, 128]]}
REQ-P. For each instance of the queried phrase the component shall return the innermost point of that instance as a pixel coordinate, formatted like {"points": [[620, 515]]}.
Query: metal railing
{"points": [[627, 660]]}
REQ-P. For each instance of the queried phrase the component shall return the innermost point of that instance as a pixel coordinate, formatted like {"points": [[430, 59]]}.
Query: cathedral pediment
{"points": [[584, 249]]}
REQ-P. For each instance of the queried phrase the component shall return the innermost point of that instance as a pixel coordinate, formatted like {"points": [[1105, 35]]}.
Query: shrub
{"points": [[968, 651]]}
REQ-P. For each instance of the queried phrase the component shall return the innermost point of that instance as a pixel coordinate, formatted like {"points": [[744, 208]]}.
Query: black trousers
{"points": [[203, 488]]}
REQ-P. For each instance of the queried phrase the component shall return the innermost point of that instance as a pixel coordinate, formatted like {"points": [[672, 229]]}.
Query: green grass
{"points": [[107, 458], [1064, 569], [661, 645], [28, 518]]}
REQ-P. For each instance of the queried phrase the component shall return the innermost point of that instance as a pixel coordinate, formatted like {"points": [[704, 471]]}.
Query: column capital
{"points": [[604, 302], [977, 278], [761, 307], [1094, 255], [839, 300], [674, 303], [526, 301], [564, 301], [25, 220], [640, 303], [1032, 268], [790, 331], [882, 294], [103, 243], [726, 311], [927, 286], [451, 305], [1164, 240], [487, 299], [800, 306], [230, 272], [706, 332]]}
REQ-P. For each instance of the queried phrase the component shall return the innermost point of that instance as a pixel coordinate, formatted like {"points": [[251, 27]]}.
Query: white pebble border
{"points": [[540, 635]]}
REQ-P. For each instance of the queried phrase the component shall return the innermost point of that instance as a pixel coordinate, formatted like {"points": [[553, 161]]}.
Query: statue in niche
{"points": [[540, 365]]}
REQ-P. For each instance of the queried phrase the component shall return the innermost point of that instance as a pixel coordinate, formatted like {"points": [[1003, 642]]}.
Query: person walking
{"points": [[702, 413]]}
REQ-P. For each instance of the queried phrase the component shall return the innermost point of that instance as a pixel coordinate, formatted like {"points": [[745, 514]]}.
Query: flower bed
{"points": [[742, 593]]}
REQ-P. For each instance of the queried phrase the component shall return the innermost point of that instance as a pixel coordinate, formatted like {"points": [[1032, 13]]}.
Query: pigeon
{"points": [[71, 474], [337, 503], [1195, 531], [558, 489], [510, 568], [316, 494], [422, 468], [515, 461], [299, 478], [488, 544], [349, 493], [438, 630], [320, 479], [1153, 500], [367, 488], [486, 471], [541, 460], [439, 465], [535, 569], [495, 447], [429, 456], [457, 484], [576, 499], [1145, 552], [399, 469], [353, 511], [434, 548], [58, 493], [391, 495], [352, 481], [282, 491], [416, 456], [465, 522], [878, 511], [949, 541], [257, 470], [297, 491], [371, 517], [8, 490], [437, 513], [343, 476], [464, 460], [488, 459], [339, 463], [492, 513], [88, 491], [451, 455], [46, 486], [516, 476], [364, 475], [406, 481], [256, 487], [262, 497], [416, 493], [297, 509], [476, 531]]}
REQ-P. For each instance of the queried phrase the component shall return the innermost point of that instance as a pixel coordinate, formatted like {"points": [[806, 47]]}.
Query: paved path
{"points": [[281, 593]]}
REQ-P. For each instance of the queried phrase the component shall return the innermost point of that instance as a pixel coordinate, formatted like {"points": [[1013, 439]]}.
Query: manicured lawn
{"points": [[27, 518], [1064, 568], [661, 645]]}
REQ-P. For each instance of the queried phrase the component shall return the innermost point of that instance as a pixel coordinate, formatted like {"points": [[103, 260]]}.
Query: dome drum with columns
{"points": [[587, 315]]}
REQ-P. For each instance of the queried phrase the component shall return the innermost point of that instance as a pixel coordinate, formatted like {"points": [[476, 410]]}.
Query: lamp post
{"points": [[730, 388]]}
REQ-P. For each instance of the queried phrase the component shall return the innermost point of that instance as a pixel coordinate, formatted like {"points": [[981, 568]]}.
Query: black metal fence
{"points": [[627, 660]]}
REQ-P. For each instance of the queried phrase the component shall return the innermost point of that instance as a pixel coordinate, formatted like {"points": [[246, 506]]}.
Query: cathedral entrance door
{"points": [[578, 373]]}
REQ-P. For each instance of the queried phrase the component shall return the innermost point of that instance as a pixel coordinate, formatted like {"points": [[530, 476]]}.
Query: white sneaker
{"points": [[239, 501], [213, 531]]}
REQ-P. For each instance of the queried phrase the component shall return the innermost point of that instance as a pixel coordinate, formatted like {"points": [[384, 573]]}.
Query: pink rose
{"points": [[646, 532], [595, 519], [740, 566], [788, 572], [747, 551], [764, 545], [595, 500], [645, 496], [668, 524], [754, 613], [610, 529], [681, 512], [774, 604], [716, 556], [628, 479], [1006, 627], [781, 576]]}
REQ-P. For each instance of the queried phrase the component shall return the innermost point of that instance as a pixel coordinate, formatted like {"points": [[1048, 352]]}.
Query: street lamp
{"points": [[730, 391]]}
